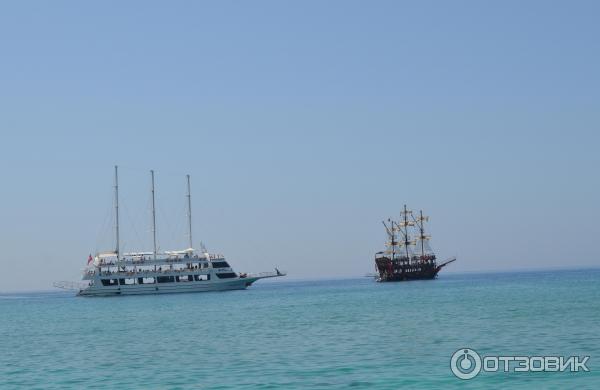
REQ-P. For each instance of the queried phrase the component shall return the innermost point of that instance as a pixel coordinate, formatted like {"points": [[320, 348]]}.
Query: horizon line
{"points": [[326, 278]]}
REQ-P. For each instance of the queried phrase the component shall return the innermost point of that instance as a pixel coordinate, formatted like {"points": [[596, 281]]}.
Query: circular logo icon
{"points": [[465, 363]]}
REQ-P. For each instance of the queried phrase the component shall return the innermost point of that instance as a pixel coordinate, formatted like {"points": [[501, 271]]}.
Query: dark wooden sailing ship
{"points": [[408, 255]]}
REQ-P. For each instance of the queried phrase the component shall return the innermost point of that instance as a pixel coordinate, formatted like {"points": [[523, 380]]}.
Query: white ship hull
{"points": [[168, 288]]}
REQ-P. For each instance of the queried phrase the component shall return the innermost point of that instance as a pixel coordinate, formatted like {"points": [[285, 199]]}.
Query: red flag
{"points": [[90, 259]]}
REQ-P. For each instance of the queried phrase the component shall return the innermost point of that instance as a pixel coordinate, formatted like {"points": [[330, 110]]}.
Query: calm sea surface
{"points": [[323, 334]]}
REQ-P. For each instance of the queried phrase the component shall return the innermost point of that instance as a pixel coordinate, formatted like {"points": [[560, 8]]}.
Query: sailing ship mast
{"points": [[153, 218], [392, 235], [422, 236], [117, 212], [406, 232], [405, 223], [189, 214]]}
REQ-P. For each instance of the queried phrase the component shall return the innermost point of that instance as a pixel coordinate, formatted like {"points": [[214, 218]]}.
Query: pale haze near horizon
{"points": [[303, 126]]}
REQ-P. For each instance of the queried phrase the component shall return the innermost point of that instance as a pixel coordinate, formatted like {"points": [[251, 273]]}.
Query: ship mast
{"points": [[406, 232], [189, 214], [153, 218], [390, 232], [422, 234], [117, 212]]}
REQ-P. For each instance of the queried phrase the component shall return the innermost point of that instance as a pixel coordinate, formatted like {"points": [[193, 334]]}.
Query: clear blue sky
{"points": [[303, 125]]}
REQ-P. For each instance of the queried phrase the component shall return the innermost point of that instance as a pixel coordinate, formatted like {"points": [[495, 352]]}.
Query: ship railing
{"points": [[149, 271], [150, 260], [141, 273]]}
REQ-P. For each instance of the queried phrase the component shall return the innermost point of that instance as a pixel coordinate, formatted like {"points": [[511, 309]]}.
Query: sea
{"points": [[321, 334]]}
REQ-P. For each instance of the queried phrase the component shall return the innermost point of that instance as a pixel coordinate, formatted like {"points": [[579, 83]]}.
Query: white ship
{"points": [[115, 273]]}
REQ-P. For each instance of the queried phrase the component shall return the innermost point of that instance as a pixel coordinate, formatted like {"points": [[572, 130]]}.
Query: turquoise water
{"points": [[322, 334]]}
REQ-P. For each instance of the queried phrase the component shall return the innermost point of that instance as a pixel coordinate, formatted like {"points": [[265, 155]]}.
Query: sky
{"points": [[303, 125]]}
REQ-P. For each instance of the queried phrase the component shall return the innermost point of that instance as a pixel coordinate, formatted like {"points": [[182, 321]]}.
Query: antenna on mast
{"points": [[153, 217], [117, 211], [189, 214]]}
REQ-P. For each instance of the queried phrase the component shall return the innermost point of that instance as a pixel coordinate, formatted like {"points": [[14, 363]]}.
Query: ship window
{"points": [[220, 264], [226, 275], [109, 282], [165, 279], [148, 280], [200, 278], [129, 281]]}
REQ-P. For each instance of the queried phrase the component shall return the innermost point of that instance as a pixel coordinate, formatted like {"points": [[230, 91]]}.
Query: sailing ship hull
{"points": [[410, 275], [166, 288], [399, 271], [396, 271]]}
